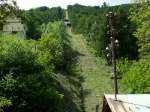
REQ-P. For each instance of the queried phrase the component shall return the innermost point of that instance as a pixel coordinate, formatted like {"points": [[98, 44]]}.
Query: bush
{"points": [[137, 78], [27, 72], [54, 40], [17, 55]]}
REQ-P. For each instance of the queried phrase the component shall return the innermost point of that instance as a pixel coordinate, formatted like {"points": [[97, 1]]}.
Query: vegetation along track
{"points": [[95, 74]]}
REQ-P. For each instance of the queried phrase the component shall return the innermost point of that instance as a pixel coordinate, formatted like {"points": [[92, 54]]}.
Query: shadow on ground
{"points": [[69, 82]]}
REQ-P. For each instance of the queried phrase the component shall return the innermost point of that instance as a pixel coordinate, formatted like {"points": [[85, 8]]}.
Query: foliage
{"points": [[6, 7], [136, 74], [7, 83], [55, 38], [17, 55], [123, 65], [140, 15], [4, 103], [137, 78], [34, 18], [91, 22], [28, 70]]}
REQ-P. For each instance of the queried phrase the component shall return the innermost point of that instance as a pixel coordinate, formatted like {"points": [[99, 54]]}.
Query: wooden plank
{"points": [[115, 106]]}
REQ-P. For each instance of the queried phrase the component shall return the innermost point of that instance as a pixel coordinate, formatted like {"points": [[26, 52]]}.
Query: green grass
{"points": [[95, 74], [69, 85]]}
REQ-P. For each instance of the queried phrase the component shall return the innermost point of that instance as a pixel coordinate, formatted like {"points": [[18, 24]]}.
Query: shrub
{"points": [[137, 78], [30, 64]]}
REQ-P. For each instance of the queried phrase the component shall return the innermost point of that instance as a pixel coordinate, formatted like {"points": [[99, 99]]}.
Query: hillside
{"points": [[65, 61], [94, 72]]}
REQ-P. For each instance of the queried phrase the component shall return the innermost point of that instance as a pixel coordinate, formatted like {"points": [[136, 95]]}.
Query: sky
{"points": [[27, 4]]}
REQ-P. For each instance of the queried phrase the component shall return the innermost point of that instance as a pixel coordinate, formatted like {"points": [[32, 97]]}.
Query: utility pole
{"points": [[114, 44]]}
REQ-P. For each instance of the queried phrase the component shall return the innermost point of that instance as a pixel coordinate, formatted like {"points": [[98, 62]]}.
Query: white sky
{"points": [[27, 4]]}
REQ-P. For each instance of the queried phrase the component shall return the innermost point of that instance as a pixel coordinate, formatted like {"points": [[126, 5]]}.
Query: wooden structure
{"points": [[14, 25], [126, 103]]}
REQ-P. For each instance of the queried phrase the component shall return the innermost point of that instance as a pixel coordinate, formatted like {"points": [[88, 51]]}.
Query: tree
{"points": [[6, 7], [91, 22], [28, 70], [137, 77], [34, 18], [140, 15], [26, 77], [137, 73]]}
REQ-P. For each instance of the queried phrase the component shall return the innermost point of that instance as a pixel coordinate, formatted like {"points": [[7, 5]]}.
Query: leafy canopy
{"points": [[140, 15]]}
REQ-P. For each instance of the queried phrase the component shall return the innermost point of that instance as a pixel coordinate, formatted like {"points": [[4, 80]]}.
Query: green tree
{"points": [[34, 18], [140, 15], [136, 74], [29, 84], [92, 22], [28, 70], [137, 77]]}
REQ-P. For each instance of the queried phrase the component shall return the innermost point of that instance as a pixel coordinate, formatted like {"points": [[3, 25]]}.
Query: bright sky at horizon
{"points": [[27, 4]]}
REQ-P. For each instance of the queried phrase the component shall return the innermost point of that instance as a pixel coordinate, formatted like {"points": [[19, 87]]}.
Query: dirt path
{"points": [[95, 73]]}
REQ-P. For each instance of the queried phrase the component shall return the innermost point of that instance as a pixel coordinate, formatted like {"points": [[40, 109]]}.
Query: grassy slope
{"points": [[70, 87], [95, 73]]}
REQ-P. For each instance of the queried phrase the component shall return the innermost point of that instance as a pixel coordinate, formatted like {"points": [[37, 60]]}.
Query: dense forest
{"points": [[34, 18], [30, 68], [92, 22], [130, 28]]}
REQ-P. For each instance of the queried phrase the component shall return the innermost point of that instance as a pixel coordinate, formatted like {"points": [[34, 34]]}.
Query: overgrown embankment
{"points": [[94, 72]]}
